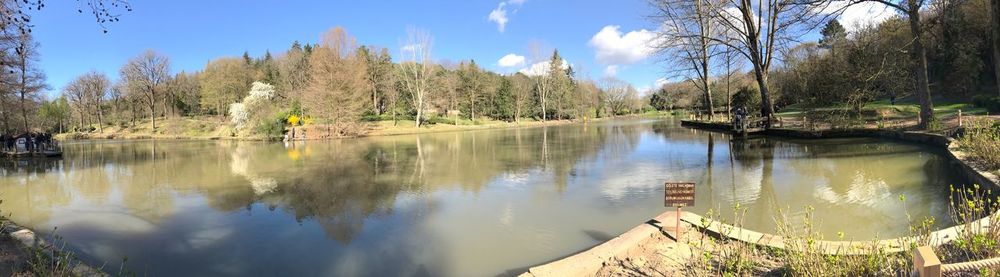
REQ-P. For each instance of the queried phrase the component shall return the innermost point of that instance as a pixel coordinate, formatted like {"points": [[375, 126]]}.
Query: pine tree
{"points": [[246, 58], [833, 34]]}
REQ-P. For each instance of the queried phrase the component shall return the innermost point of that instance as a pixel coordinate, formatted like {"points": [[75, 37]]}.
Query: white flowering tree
{"points": [[242, 113]]}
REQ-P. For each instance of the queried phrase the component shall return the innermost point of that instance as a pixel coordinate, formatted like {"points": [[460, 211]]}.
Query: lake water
{"points": [[477, 203]]}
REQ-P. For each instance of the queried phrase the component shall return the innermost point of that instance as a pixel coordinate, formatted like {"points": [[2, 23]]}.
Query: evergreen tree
{"points": [[246, 58], [833, 33]]}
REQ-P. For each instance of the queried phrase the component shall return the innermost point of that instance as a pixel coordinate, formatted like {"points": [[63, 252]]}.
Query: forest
{"points": [[930, 51], [336, 83]]}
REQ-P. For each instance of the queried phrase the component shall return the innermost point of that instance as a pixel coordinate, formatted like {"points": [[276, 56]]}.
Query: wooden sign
{"points": [[679, 194]]}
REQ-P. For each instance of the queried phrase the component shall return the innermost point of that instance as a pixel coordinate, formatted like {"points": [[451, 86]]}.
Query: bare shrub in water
{"points": [[982, 141]]}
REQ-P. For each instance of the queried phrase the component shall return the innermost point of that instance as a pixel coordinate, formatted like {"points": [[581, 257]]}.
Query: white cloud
{"points": [[643, 91], [499, 15], [864, 14], [511, 60], [540, 68], [614, 48], [611, 71], [659, 83], [410, 47], [857, 15]]}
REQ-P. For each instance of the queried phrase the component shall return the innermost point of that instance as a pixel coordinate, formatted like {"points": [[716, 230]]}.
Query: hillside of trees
{"points": [[336, 83], [945, 50]]}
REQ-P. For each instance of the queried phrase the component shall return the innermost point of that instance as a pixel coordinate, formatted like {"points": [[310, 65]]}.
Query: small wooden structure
{"points": [[747, 125], [30, 145]]}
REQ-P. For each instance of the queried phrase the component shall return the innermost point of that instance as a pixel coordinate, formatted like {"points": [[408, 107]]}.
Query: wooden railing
{"points": [[927, 264]]}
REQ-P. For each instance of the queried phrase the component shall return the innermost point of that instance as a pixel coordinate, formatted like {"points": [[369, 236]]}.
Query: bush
{"points": [[440, 120], [747, 97], [273, 128], [988, 102], [982, 141]]}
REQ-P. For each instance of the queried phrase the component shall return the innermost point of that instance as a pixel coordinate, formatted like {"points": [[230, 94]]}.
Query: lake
{"points": [[475, 203]]}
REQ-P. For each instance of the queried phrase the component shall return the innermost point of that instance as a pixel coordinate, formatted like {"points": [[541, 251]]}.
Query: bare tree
{"points": [[417, 67], [17, 13], [336, 91], [619, 95], [96, 85], [521, 87], [685, 38], [145, 74], [86, 94], [733, 66], [756, 29], [542, 83], [30, 80], [76, 93], [293, 67]]}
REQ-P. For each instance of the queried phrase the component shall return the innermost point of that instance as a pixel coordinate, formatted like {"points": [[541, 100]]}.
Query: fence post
{"points": [[959, 118], [926, 263]]}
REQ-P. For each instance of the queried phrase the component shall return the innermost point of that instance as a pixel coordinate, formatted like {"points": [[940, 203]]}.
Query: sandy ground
{"points": [[658, 255]]}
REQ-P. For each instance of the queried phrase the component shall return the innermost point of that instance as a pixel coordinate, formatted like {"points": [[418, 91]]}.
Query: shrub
{"points": [[440, 120], [991, 103], [747, 97], [982, 141], [272, 128]]}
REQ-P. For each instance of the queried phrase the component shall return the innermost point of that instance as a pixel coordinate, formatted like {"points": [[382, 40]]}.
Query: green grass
{"points": [[905, 108]]}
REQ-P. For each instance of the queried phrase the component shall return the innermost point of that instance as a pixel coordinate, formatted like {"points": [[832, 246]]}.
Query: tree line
{"points": [[946, 48], [335, 83]]}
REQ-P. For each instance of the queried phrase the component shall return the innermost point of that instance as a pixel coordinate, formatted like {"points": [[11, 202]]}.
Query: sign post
{"points": [[678, 195]]}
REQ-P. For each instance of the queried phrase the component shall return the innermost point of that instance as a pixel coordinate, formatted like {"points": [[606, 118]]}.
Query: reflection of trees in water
{"points": [[339, 183], [347, 181]]}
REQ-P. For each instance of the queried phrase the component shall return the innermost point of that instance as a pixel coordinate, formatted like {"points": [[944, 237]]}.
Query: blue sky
{"points": [[193, 32], [597, 37]]}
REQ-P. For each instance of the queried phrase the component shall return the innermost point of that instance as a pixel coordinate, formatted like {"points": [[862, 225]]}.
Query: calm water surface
{"points": [[478, 203]]}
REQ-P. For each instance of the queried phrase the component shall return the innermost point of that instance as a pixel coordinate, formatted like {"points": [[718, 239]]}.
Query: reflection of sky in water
{"points": [[459, 204]]}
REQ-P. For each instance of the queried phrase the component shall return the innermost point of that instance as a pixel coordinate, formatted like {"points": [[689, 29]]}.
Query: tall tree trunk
{"points": [[152, 113], [729, 93], [766, 108], [375, 98], [995, 5], [24, 108], [704, 29], [919, 56], [517, 114], [420, 107], [541, 94], [100, 118]]}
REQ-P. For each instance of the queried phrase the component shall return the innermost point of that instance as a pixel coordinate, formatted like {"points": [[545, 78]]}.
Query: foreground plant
{"points": [[982, 141]]}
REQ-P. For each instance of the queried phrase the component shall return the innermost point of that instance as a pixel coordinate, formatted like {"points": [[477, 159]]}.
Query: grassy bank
{"points": [[204, 127]]}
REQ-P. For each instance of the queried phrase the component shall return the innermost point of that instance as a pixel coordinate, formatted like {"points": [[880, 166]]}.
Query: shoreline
{"points": [[29, 246], [598, 260], [375, 129]]}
